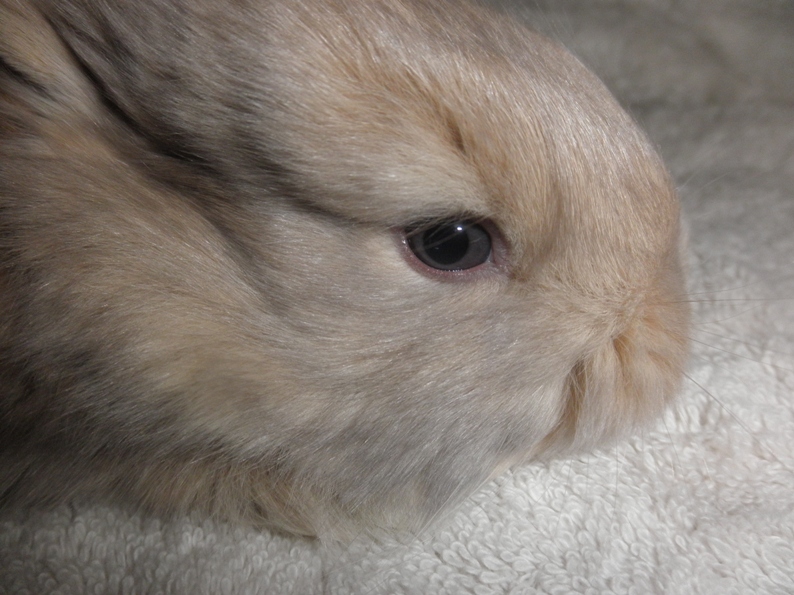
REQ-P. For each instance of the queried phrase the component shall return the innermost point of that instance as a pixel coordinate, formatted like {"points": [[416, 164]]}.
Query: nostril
{"points": [[563, 435], [620, 384], [621, 345]]}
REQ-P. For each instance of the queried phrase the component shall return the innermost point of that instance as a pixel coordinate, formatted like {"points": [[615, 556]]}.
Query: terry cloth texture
{"points": [[701, 503]]}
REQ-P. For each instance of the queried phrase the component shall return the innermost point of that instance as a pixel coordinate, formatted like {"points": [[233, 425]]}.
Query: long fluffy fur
{"points": [[204, 305]]}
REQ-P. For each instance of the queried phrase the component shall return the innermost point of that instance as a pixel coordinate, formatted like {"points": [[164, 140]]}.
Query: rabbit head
{"points": [[318, 264]]}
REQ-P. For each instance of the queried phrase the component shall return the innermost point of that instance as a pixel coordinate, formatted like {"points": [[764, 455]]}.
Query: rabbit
{"points": [[319, 266]]}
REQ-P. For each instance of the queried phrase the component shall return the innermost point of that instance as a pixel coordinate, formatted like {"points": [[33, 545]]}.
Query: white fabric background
{"points": [[702, 503]]}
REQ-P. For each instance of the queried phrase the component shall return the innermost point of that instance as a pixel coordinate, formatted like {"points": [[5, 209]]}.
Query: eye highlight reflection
{"points": [[451, 245]]}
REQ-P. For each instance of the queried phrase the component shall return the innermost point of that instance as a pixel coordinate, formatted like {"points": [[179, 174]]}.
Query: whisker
{"points": [[745, 357], [730, 371], [764, 281], [675, 450], [736, 419], [749, 344], [569, 462], [617, 485], [713, 180], [729, 300], [722, 320]]}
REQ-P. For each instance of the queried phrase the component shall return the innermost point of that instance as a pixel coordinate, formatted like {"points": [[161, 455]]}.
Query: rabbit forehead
{"points": [[392, 129], [391, 126]]}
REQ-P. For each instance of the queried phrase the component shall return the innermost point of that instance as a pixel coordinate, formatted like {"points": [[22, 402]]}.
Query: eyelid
{"points": [[452, 246], [498, 265]]}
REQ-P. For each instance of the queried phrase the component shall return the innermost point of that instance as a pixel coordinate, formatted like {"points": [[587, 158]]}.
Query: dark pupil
{"points": [[446, 245], [451, 246]]}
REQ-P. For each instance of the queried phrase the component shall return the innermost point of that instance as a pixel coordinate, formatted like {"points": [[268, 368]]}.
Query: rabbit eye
{"points": [[451, 245]]}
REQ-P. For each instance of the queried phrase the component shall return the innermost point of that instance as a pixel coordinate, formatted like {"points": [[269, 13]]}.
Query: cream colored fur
{"points": [[205, 303]]}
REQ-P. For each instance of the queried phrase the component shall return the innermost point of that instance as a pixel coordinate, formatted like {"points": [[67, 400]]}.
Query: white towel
{"points": [[701, 503]]}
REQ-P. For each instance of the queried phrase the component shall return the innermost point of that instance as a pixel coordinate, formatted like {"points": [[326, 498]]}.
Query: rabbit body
{"points": [[207, 301]]}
